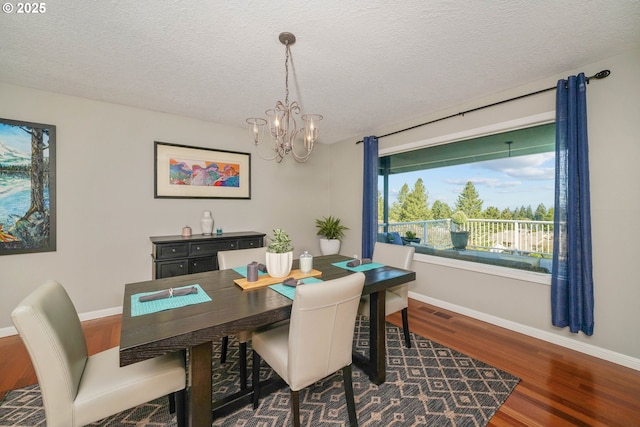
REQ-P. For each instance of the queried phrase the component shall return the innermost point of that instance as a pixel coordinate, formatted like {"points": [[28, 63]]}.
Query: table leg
{"points": [[377, 337], [199, 392]]}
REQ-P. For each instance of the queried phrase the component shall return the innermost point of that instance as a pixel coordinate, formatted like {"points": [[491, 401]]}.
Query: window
{"points": [[503, 183]]}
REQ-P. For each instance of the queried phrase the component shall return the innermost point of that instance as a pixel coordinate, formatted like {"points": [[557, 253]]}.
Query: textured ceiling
{"points": [[362, 64]]}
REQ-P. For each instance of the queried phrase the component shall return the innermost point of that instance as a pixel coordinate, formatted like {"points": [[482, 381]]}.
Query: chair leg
{"points": [[405, 326], [223, 351], [295, 408], [348, 393], [172, 403], [255, 379], [243, 365], [181, 407]]}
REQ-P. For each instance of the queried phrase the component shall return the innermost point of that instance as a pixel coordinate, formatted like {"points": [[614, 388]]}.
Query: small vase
{"points": [[207, 223]]}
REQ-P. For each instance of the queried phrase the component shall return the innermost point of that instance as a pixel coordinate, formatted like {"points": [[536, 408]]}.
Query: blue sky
{"points": [[509, 182]]}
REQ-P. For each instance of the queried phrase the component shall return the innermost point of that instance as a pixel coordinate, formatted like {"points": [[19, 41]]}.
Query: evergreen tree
{"points": [[414, 206], [380, 207], [396, 208], [506, 214], [491, 213], [469, 202], [528, 213], [550, 214], [441, 210], [541, 213]]}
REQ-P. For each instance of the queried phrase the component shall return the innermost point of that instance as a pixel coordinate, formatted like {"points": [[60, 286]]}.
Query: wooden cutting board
{"points": [[268, 280]]}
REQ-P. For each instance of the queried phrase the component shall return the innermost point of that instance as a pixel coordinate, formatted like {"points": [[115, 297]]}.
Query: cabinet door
{"points": [[199, 265], [171, 268]]}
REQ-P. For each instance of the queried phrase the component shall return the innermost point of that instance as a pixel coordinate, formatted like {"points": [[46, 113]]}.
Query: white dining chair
{"points": [[315, 343], [396, 298], [233, 259], [78, 389]]}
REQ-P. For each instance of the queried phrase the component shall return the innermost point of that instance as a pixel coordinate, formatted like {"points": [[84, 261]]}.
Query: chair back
{"points": [[49, 326], [398, 256], [321, 329], [241, 257]]}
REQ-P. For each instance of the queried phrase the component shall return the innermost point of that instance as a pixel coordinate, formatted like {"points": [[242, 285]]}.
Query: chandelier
{"points": [[281, 123]]}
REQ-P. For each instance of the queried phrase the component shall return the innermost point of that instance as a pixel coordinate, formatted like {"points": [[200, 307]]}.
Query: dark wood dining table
{"points": [[232, 310]]}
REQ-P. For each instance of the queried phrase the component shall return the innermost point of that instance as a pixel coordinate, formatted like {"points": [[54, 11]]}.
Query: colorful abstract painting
{"points": [[183, 171], [203, 173]]}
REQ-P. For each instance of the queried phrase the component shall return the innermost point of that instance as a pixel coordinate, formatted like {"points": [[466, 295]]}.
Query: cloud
{"points": [[533, 167], [486, 182]]}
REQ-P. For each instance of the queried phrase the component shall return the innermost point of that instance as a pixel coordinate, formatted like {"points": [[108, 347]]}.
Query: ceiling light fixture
{"points": [[281, 122]]}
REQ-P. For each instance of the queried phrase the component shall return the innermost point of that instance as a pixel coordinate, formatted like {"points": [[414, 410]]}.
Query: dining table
{"points": [[231, 309]]}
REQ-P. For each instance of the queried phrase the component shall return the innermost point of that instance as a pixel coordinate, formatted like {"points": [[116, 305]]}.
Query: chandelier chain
{"points": [[286, 74]]}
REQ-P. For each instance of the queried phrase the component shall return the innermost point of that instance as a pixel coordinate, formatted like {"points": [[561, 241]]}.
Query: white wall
{"points": [[614, 129], [105, 205]]}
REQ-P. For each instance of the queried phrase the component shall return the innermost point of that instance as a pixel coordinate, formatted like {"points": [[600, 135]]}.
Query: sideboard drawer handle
{"points": [[232, 245], [197, 248], [173, 250]]}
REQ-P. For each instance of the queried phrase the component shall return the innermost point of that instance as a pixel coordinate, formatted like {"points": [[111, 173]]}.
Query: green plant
{"points": [[459, 218], [410, 234], [330, 228], [280, 242]]}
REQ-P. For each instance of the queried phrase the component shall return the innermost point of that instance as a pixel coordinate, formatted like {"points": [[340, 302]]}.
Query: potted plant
{"points": [[331, 233], [410, 237], [459, 236], [279, 257]]}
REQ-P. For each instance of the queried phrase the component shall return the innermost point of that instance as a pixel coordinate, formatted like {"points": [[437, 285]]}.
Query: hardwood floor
{"points": [[559, 387]]}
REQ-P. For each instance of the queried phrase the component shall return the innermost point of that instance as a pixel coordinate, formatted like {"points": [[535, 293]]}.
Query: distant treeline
{"points": [[412, 205]]}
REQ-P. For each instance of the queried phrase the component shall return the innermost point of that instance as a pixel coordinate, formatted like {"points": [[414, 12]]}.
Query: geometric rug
{"points": [[427, 384]]}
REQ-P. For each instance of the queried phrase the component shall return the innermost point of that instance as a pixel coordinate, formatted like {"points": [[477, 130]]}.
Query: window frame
{"points": [[510, 125]]}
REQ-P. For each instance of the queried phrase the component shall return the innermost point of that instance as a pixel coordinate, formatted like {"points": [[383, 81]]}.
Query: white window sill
{"points": [[512, 273]]}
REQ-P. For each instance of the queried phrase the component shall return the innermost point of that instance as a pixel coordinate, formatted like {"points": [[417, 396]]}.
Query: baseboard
{"points": [[592, 350], [11, 330]]}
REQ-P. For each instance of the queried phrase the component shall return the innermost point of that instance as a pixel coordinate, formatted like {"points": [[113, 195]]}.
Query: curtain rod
{"points": [[598, 76]]}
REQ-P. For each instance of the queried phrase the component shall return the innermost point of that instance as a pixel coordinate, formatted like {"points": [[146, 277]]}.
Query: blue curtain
{"points": [[572, 279], [370, 196]]}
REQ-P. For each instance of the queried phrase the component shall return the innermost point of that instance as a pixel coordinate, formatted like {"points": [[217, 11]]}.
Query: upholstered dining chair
{"points": [[232, 259], [315, 343], [78, 389], [396, 298]]}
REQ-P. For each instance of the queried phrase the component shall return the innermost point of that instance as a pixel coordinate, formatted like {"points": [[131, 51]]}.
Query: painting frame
{"points": [[27, 162], [220, 174]]}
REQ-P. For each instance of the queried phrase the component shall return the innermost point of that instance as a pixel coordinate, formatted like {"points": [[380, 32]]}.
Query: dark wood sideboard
{"points": [[177, 255]]}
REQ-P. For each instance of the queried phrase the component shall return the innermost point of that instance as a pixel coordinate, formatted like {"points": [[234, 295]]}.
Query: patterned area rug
{"points": [[428, 384]]}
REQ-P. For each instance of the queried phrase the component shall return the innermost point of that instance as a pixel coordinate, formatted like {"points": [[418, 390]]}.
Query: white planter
{"points": [[329, 246], [279, 265]]}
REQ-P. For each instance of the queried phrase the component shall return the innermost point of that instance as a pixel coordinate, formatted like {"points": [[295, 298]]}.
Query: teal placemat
{"points": [[363, 267], [290, 291], [139, 308], [243, 271]]}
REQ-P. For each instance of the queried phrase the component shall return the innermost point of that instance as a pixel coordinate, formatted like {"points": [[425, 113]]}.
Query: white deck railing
{"points": [[519, 237]]}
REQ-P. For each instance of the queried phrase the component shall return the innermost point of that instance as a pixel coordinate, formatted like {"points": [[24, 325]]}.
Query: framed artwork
{"points": [[200, 173], [27, 187]]}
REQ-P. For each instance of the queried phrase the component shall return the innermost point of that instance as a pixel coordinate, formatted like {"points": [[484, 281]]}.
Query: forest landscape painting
{"points": [[27, 187], [192, 172]]}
